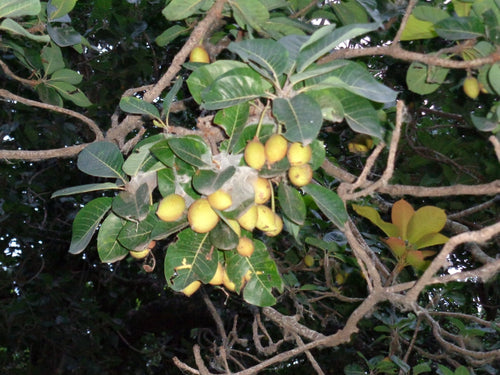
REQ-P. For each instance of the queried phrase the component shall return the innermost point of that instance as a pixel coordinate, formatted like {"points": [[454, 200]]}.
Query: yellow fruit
{"points": [[300, 175], [228, 284], [235, 226], [255, 155], [339, 278], [248, 276], [248, 219], [220, 200], [309, 260], [278, 227], [139, 254], [191, 288], [171, 208], [245, 247], [201, 216], [275, 148], [471, 87], [199, 54], [298, 154], [152, 244], [262, 188], [218, 276], [265, 219]]}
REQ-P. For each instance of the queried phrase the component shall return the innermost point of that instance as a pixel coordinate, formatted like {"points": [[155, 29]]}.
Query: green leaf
{"points": [[170, 97], [331, 107], [59, 8], [64, 35], [72, 93], [52, 59], [233, 120], [350, 12], [166, 182], [170, 34], [101, 159], [208, 181], [310, 52], [443, 370], [193, 150], [206, 74], [223, 237], [372, 214], [266, 56], [249, 12], [494, 77], [301, 115], [424, 80], [426, 220], [421, 368], [329, 203], [108, 247], [462, 370], [188, 259], [137, 236], [13, 27], [132, 205], [85, 189], [131, 104], [86, 222], [164, 153], [19, 8], [139, 159], [49, 95], [459, 28], [292, 203], [180, 9], [317, 70], [360, 114], [233, 87], [67, 75]]}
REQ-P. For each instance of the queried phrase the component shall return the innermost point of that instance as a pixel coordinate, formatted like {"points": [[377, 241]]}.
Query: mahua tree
{"points": [[250, 185]]}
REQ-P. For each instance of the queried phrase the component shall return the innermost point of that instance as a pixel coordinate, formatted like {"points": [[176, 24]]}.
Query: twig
{"points": [[309, 356], [496, 144], [404, 21]]}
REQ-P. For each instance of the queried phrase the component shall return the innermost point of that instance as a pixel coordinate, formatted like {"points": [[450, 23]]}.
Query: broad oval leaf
{"points": [[401, 214], [131, 104], [233, 120], [58, 8], [372, 214], [101, 159], [249, 13], [424, 80], [302, 117], [136, 236], [170, 34], [233, 87], [132, 205], [64, 35], [223, 237], [86, 222], [108, 247], [67, 75], [19, 8], [85, 189], [12, 26], [292, 203], [460, 28], [426, 220], [266, 56], [208, 181], [180, 9], [193, 150], [70, 92], [329, 203]]}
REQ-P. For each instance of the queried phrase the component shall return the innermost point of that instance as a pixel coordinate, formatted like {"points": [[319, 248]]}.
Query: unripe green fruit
{"points": [[245, 247], [171, 208], [300, 175], [275, 148], [309, 260], [139, 254], [199, 54], [262, 188], [218, 276], [220, 200], [248, 219], [191, 288], [202, 217], [298, 154], [471, 87], [255, 155]]}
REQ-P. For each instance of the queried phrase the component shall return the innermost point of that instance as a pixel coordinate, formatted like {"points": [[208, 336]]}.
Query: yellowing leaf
{"points": [[401, 214], [418, 29], [397, 245], [371, 214], [416, 258], [430, 240], [426, 220]]}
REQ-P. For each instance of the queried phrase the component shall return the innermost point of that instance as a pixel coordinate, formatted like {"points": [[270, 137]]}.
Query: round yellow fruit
{"points": [[298, 154], [171, 208], [199, 54], [276, 147], [202, 218], [265, 219], [278, 227], [309, 260], [249, 219], [218, 276], [300, 175], [255, 155], [471, 87], [235, 226], [228, 284], [139, 254], [262, 188], [245, 247], [220, 200], [191, 288]]}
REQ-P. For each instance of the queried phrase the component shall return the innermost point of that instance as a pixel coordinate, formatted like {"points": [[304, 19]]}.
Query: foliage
{"points": [[375, 89]]}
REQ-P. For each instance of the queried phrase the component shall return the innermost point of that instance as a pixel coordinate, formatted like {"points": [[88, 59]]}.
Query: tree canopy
{"points": [[248, 186]]}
